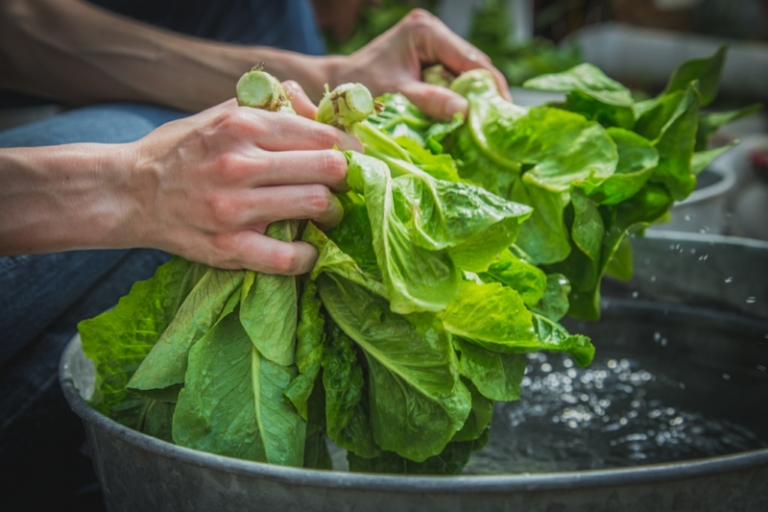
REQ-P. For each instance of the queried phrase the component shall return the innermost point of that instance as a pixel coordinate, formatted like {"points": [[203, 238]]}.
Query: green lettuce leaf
{"points": [[118, 340], [232, 403], [675, 140], [480, 417], [161, 373], [400, 118], [527, 280], [491, 315], [554, 303], [450, 461], [309, 348], [709, 124], [637, 161], [707, 71], [417, 401], [346, 404], [496, 375], [268, 305], [590, 93], [423, 229]]}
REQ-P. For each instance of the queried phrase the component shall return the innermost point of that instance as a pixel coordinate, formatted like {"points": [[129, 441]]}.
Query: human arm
{"points": [[71, 51], [74, 52], [204, 187]]}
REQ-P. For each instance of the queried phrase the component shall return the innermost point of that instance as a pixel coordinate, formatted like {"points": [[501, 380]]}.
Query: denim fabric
{"points": [[284, 24], [42, 462], [42, 298], [111, 123]]}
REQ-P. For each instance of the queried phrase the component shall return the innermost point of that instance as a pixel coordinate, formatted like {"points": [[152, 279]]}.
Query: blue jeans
{"points": [[42, 298]]}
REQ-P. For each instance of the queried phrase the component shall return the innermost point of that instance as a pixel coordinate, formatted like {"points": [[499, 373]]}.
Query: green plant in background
{"points": [[374, 20], [491, 31]]}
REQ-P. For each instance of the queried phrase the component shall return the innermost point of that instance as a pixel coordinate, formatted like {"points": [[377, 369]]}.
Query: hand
{"points": [[210, 185], [393, 63]]}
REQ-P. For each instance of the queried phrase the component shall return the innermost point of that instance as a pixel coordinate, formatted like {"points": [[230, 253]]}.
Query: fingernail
{"points": [[456, 105]]}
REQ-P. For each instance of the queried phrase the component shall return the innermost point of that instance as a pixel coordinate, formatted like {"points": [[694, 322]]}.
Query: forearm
{"points": [[73, 196], [71, 51]]}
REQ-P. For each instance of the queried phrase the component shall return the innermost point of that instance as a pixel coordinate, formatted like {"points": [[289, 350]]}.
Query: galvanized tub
{"points": [[711, 291]]}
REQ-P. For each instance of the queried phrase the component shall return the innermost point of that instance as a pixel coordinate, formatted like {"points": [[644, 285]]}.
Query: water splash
{"points": [[614, 413]]}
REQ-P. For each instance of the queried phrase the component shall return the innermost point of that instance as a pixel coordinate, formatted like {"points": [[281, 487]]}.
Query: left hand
{"points": [[393, 62]]}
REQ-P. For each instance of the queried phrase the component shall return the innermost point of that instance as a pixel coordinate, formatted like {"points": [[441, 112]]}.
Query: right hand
{"points": [[207, 186]]}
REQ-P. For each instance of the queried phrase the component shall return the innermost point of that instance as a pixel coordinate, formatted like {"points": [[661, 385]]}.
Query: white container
{"points": [[648, 56], [704, 211]]}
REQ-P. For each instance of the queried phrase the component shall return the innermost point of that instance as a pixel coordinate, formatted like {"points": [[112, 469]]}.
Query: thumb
{"points": [[435, 101]]}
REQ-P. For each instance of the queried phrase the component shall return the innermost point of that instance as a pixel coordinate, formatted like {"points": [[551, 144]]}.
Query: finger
{"points": [[299, 100], [276, 131], [253, 208], [436, 43], [325, 167], [435, 101], [264, 254]]}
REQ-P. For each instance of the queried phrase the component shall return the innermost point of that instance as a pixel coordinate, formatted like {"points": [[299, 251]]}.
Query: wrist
{"points": [[67, 197]]}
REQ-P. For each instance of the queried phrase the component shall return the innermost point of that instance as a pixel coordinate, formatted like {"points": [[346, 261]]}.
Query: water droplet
{"points": [[656, 336], [676, 421], [693, 251], [635, 295], [567, 363], [703, 257], [546, 367], [687, 218], [761, 367], [728, 279], [663, 342], [751, 300], [612, 362], [653, 279], [726, 376]]}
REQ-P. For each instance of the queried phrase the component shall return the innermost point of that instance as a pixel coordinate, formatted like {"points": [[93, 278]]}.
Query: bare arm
{"points": [[205, 187], [72, 51]]}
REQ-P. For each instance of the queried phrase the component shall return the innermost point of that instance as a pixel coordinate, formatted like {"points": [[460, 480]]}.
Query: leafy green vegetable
{"points": [[232, 402], [347, 411], [417, 402], [309, 349], [268, 306], [424, 298], [119, 340], [496, 375], [161, 373], [526, 279]]}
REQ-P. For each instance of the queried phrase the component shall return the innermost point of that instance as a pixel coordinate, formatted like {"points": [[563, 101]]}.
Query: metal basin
{"points": [[704, 296]]}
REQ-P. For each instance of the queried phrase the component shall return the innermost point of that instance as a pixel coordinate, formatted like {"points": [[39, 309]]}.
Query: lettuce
{"points": [[462, 246]]}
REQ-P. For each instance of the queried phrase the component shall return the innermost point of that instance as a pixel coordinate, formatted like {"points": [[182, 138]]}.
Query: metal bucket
{"points": [[704, 211], [680, 277]]}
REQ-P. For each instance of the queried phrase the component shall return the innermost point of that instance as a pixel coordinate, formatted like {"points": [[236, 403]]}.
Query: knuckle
{"points": [[325, 137], [418, 19], [229, 166], [284, 260], [224, 210], [318, 198], [223, 250], [334, 165]]}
